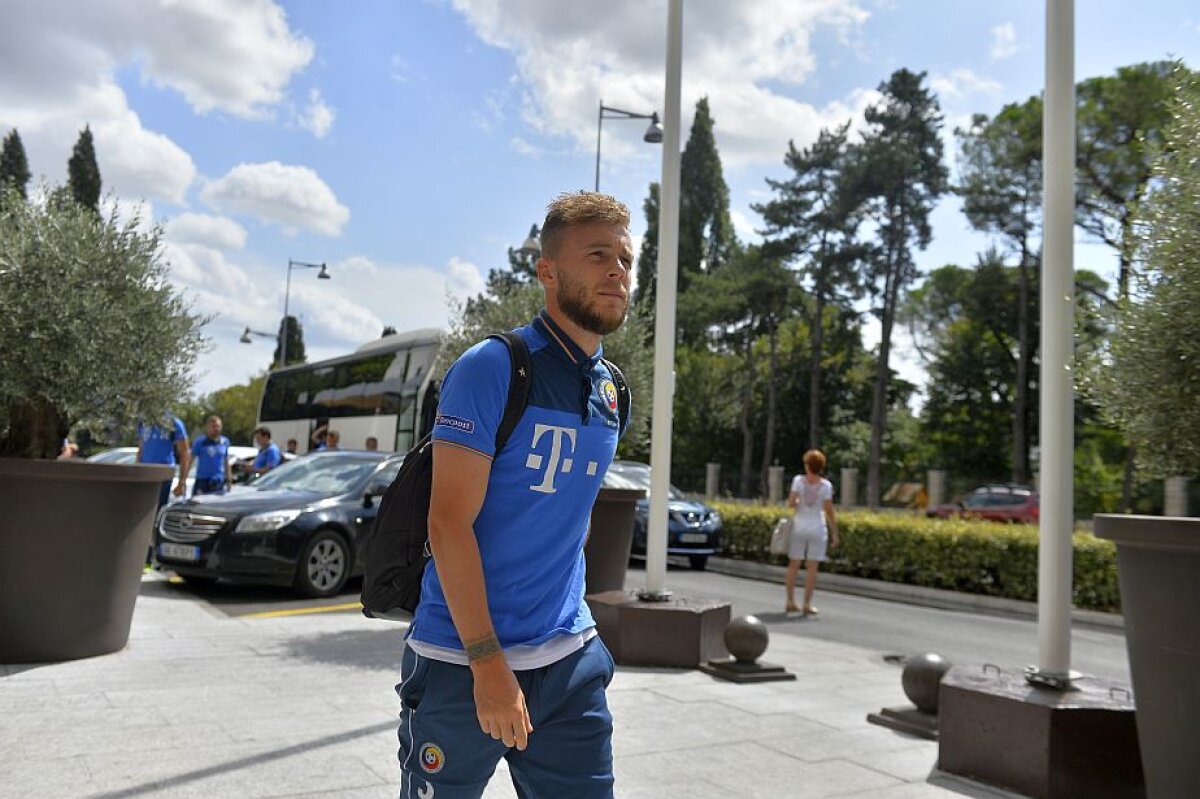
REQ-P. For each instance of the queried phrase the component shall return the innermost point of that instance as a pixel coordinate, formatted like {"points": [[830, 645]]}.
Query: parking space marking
{"points": [[272, 614]]}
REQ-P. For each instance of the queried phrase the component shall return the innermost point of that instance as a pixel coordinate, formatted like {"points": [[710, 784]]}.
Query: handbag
{"points": [[781, 536]]}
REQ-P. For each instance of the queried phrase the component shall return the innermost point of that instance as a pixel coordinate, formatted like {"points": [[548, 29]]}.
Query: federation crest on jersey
{"points": [[432, 758], [609, 392]]}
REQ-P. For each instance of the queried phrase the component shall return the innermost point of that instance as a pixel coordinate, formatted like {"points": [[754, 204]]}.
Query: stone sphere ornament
{"points": [[746, 638], [921, 678]]}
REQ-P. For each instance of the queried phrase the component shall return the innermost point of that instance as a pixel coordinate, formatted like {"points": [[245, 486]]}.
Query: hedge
{"points": [[953, 554]]}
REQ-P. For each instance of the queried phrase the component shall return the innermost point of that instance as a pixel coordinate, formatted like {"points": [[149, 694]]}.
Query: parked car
{"points": [[301, 524], [693, 528], [1007, 502], [236, 454]]}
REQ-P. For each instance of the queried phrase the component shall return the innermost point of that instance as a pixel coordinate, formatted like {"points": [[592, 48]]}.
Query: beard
{"points": [[573, 302]]}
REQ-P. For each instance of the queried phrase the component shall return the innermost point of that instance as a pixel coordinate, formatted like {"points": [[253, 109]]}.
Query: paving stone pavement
{"points": [[200, 704]]}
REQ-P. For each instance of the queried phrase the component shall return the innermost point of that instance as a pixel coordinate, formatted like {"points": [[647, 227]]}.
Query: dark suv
{"points": [[693, 528], [1007, 502], [301, 524]]}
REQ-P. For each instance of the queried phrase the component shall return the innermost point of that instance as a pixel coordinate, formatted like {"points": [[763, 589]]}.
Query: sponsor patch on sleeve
{"points": [[455, 423]]}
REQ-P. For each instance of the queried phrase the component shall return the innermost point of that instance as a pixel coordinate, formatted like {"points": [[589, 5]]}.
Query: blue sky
{"points": [[408, 144]]}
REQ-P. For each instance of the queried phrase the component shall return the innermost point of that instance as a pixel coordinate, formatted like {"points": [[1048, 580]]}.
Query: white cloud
{"points": [[289, 195], [218, 232], [317, 117], [524, 148], [58, 65], [1004, 41], [961, 83], [737, 54], [464, 278]]}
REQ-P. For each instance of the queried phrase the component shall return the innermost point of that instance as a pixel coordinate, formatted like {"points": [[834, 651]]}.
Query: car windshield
{"points": [[638, 477], [319, 474]]}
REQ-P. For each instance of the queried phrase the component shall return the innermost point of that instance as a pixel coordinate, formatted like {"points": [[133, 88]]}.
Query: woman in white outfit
{"points": [[814, 528]]}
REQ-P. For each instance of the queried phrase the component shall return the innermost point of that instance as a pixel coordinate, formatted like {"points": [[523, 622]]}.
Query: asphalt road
{"points": [[897, 628], [963, 637]]}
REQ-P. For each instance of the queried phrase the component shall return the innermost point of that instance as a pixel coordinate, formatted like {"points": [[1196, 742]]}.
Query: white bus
{"points": [[385, 390]]}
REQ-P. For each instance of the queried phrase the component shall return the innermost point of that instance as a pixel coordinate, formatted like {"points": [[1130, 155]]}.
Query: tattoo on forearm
{"points": [[483, 648]]}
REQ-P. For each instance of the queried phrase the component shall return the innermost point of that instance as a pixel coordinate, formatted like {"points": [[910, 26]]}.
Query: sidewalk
{"points": [[203, 705]]}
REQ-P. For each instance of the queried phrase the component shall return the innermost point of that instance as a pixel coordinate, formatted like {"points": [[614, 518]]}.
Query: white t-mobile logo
{"points": [[557, 460]]}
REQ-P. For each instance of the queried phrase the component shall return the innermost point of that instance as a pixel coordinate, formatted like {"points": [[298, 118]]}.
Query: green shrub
{"points": [[956, 555]]}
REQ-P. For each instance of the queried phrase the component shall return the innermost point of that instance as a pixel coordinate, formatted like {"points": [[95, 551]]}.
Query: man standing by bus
{"points": [[214, 472], [268, 452], [502, 644]]}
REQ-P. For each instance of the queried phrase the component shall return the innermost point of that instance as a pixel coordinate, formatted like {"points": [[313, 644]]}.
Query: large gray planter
{"points": [[73, 540], [1158, 561], [611, 539]]}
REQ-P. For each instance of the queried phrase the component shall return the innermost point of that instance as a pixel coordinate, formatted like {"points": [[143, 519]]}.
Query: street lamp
{"points": [[653, 134], [245, 339], [532, 246], [283, 333]]}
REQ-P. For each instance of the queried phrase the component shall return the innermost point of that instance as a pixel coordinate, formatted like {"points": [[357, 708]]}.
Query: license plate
{"points": [[693, 538], [179, 552]]}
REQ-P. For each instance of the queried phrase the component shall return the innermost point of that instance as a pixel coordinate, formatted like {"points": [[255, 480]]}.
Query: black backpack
{"points": [[397, 549]]}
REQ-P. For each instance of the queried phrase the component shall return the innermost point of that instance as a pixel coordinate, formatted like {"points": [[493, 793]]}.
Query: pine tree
{"points": [[295, 342], [83, 174], [706, 238], [647, 268], [14, 166], [899, 178]]}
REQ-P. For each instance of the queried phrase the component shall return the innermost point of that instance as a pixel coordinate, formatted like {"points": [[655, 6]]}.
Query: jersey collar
{"points": [[565, 344]]}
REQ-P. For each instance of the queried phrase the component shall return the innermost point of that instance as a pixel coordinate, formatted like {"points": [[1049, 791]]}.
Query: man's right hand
{"points": [[500, 703], [180, 488]]}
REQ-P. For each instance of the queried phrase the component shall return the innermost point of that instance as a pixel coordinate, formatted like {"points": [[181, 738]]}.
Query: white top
{"points": [[810, 509], [520, 658]]}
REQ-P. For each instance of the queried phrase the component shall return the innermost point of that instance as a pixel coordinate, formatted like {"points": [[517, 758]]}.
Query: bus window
{"points": [[275, 400]]}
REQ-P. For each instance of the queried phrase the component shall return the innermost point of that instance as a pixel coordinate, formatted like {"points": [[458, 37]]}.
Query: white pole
{"points": [[1057, 379], [664, 322]]}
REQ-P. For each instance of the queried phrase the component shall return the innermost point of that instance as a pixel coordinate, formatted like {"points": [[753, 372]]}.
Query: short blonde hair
{"points": [[579, 208], [814, 461]]}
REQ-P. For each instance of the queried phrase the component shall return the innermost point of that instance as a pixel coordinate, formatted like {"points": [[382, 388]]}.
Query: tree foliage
{"points": [[706, 238], [290, 327], [83, 173], [14, 166], [91, 331], [899, 178], [1151, 385]]}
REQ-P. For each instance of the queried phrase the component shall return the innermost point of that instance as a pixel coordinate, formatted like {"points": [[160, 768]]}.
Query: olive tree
{"points": [[1150, 383], [91, 331]]}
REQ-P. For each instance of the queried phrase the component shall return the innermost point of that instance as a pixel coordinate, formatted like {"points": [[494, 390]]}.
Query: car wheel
{"points": [[698, 562], [324, 566]]}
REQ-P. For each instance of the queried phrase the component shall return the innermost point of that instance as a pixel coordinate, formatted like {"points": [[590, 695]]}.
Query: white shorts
{"points": [[808, 543]]}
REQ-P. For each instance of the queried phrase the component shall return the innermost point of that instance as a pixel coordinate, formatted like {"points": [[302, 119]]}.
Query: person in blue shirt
{"points": [[502, 657], [214, 473], [165, 444], [268, 452]]}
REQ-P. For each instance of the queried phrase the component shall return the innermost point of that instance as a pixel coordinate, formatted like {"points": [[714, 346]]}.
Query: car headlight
{"points": [[714, 518], [266, 522]]}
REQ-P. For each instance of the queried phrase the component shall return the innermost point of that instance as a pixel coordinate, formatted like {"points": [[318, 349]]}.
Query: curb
{"points": [[913, 594]]}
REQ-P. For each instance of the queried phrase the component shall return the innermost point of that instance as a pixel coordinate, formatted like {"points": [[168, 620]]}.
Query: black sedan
{"points": [[693, 528], [302, 524]]}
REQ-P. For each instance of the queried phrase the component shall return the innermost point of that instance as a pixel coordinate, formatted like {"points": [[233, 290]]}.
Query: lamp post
{"points": [[245, 339], [653, 134], [283, 333]]}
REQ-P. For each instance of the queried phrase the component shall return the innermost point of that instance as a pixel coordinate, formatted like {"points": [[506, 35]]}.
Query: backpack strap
{"points": [[518, 385], [622, 396]]}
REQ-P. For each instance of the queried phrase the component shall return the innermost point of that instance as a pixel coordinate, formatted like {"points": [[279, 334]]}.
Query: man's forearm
{"points": [[456, 553]]}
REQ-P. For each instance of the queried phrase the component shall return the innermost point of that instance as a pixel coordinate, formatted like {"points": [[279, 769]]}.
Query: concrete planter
{"points": [[1158, 560], [609, 544], [72, 544]]}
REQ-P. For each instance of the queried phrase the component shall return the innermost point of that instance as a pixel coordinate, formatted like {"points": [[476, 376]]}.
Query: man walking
{"points": [[214, 473], [502, 658], [167, 445]]}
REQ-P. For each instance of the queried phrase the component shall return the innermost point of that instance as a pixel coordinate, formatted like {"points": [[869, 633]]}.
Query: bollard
{"points": [[775, 484], [936, 487], [849, 496], [712, 480], [1175, 501]]}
